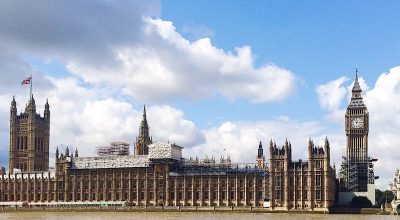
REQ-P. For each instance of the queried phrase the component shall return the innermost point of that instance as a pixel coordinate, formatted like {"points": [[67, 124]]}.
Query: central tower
{"points": [[143, 139], [29, 138]]}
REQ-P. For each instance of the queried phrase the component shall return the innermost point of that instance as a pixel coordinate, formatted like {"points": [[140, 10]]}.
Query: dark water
{"points": [[177, 215]]}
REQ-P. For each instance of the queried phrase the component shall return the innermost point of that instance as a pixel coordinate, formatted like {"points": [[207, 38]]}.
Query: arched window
{"points": [[25, 142]]}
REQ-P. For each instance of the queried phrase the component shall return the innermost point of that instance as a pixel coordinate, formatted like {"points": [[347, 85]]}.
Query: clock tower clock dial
{"points": [[357, 122]]}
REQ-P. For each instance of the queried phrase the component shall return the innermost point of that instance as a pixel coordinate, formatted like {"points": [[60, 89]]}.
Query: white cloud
{"points": [[167, 66], [240, 138], [330, 97]]}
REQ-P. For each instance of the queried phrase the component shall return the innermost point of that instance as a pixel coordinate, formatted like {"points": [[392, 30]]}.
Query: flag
{"points": [[26, 81]]}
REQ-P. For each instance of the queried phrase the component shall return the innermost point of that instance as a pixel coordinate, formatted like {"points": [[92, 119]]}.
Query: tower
{"points": [[356, 126], [143, 139], [260, 157], [29, 138]]}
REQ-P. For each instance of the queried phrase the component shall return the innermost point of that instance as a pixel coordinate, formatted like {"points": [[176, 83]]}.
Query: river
{"points": [[178, 215]]}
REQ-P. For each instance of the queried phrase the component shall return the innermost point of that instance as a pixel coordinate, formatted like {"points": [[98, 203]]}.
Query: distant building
{"points": [[29, 138], [301, 185], [357, 170], [395, 186], [115, 148]]}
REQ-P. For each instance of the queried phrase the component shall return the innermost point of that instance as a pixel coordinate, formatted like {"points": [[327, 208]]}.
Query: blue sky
{"points": [[214, 74], [319, 41]]}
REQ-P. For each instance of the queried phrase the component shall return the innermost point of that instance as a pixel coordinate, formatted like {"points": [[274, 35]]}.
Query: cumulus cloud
{"points": [[240, 138], [118, 54], [125, 43]]}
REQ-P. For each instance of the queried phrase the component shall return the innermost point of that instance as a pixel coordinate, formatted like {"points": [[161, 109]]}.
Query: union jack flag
{"points": [[26, 81]]}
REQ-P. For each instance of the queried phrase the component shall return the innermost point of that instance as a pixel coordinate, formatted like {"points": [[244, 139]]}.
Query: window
{"points": [[318, 181], [278, 194], [318, 195], [278, 181], [241, 195]]}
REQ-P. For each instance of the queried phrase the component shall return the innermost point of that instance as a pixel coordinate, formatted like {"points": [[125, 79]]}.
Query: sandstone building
{"points": [[157, 174], [29, 138], [301, 184]]}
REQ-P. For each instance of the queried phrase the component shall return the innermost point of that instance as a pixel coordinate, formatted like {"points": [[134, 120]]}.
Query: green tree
{"points": [[360, 202], [382, 197]]}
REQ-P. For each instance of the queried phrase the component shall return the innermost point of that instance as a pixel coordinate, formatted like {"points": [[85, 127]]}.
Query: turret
{"points": [[13, 109], [76, 152], [47, 110], [310, 147], [57, 153], [260, 151], [67, 152], [31, 108], [327, 148]]}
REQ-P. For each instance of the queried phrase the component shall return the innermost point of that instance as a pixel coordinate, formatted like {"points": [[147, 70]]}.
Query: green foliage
{"points": [[360, 202], [382, 197]]}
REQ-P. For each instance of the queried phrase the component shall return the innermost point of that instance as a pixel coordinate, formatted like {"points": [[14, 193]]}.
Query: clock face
{"points": [[356, 122]]}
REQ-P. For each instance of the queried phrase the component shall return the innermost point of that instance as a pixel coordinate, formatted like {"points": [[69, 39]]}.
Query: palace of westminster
{"points": [[156, 174]]}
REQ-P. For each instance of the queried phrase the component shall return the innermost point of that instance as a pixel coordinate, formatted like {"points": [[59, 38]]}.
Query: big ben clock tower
{"points": [[357, 173], [356, 124]]}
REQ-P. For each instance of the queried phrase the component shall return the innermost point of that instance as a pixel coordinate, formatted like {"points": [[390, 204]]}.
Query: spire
{"points": [[13, 105], [76, 152], [47, 106], [57, 153], [260, 151], [326, 141], [143, 139], [356, 86], [356, 94], [67, 152]]}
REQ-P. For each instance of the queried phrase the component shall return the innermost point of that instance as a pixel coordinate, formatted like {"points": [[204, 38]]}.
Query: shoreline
{"points": [[339, 211]]}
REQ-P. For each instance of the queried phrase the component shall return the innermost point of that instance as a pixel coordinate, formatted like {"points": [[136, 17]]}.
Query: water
{"points": [[178, 215]]}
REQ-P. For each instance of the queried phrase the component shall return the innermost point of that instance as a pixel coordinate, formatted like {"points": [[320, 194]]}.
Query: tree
{"points": [[383, 197], [360, 202]]}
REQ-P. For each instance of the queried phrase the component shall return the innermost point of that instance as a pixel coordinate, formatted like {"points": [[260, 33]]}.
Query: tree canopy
{"points": [[361, 202]]}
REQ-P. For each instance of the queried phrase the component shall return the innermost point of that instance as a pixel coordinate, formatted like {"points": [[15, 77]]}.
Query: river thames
{"points": [[179, 215]]}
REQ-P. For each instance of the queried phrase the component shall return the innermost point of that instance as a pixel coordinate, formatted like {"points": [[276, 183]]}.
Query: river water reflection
{"points": [[178, 215]]}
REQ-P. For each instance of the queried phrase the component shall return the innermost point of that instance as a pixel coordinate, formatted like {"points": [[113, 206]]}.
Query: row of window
{"points": [[298, 195]]}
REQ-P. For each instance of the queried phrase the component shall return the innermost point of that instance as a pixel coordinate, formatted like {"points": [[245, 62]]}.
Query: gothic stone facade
{"points": [[146, 182], [301, 184], [158, 175], [29, 138]]}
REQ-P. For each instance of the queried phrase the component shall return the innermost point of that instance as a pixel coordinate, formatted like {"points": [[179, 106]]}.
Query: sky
{"points": [[217, 77]]}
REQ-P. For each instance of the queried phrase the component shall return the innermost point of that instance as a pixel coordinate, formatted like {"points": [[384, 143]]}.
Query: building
{"points": [[357, 173], [158, 175], [29, 138], [115, 148], [301, 185], [395, 186]]}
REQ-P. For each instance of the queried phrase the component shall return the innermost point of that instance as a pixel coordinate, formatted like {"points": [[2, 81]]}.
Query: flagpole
{"points": [[31, 82]]}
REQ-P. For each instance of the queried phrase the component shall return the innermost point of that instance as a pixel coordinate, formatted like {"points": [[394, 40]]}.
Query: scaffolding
{"points": [[356, 175], [118, 148]]}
